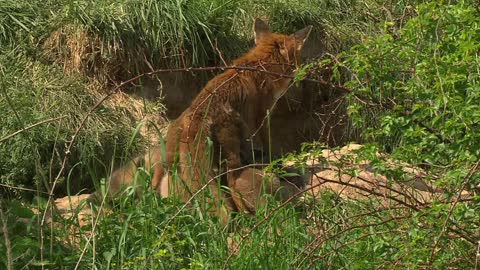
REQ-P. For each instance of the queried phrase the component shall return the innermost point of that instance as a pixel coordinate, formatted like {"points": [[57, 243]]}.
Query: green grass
{"points": [[147, 233], [54, 51], [119, 37], [33, 92], [57, 59]]}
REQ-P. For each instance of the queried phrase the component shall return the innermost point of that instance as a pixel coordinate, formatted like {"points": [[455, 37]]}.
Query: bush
{"points": [[422, 83], [414, 93]]}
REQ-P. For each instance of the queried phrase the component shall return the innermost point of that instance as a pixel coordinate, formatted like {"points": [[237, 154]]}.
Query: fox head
{"points": [[288, 46], [276, 53]]}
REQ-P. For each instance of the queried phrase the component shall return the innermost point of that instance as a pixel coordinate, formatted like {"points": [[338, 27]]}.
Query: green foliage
{"points": [[162, 30], [116, 39], [113, 39], [415, 96], [139, 235], [20, 21], [32, 92], [423, 85], [151, 233], [21, 224], [176, 33]]}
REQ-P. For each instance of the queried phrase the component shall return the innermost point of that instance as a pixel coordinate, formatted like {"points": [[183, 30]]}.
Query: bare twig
{"points": [[220, 53], [269, 215], [115, 90], [23, 189], [30, 127], [477, 255], [92, 234], [371, 191], [321, 241], [472, 171], [203, 189], [10, 103], [310, 266], [7, 238], [312, 246], [77, 131]]}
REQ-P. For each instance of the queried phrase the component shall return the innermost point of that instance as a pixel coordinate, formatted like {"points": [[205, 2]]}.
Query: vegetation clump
{"points": [[410, 70]]}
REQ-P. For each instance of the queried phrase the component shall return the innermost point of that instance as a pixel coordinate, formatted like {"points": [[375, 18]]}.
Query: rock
{"points": [[340, 171]]}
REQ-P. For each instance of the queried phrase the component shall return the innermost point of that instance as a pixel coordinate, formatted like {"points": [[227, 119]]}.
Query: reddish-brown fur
{"points": [[228, 111]]}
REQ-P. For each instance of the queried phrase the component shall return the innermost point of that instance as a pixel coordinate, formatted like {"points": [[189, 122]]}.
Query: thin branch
{"points": [[202, 189], [22, 189], [472, 171], [370, 191], [220, 53], [312, 246], [269, 215], [321, 241], [312, 263], [10, 103], [30, 127], [7, 238], [92, 234], [118, 87]]}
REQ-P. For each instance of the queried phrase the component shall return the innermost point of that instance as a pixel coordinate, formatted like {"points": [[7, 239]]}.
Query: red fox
{"points": [[225, 114]]}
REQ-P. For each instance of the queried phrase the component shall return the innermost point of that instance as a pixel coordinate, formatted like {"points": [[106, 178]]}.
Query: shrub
{"points": [[414, 94]]}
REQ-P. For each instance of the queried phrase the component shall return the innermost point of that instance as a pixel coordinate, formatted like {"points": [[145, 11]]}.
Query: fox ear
{"points": [[260, 29], [302, 35]]}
